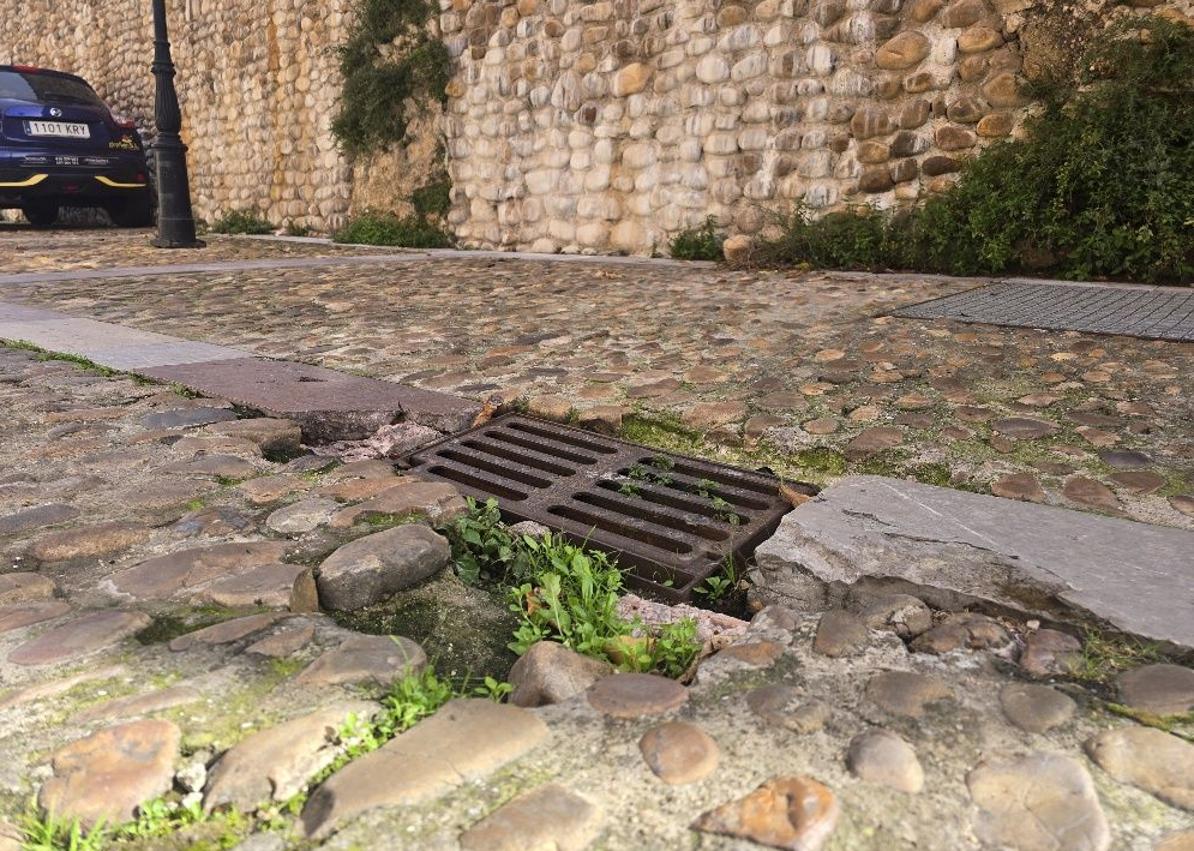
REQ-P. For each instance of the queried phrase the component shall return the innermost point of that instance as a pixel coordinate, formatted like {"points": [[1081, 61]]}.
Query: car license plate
{"points": [[60, 129]]}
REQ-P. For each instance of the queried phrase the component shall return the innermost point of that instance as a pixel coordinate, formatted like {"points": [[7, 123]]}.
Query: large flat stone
{"points": [[104, 777], [465, 740], [164, 577], [79, 637], [274, 763], [328, 405], [1134, 576]]}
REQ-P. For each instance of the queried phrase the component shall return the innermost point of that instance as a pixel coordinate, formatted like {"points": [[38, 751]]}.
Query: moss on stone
{"points": [[464, 630]]}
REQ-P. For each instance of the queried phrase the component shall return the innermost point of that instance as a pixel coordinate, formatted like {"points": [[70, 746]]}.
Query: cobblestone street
{"points": [[806, 370], [209, 636]]}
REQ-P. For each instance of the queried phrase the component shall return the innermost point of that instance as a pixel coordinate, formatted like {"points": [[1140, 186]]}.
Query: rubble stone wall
{"points": [[258, 81], [611, 125], [587, 125]]}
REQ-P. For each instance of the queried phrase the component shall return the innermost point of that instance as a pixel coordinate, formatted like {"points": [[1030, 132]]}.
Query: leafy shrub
{"points": [[242, 222], [566, 593], [572, 597], [703, 243], [851, 239], [388, 229], [373, 105], [482, 547], [434, 199], [1102, 185]]}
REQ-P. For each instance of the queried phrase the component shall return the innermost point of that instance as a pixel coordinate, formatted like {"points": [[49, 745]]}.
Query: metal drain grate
{"points": [[673, 520]]}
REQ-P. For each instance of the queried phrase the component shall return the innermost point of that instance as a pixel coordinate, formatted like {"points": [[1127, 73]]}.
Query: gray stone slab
{"points": [[113, 346], [1162, 313], [328, 405], [21, 313], [1136, 577]]}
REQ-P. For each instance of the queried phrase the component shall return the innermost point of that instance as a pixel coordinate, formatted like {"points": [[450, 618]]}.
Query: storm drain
{"points": [[672, 520]]}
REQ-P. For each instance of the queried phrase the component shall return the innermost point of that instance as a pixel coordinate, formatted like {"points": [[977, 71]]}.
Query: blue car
{"points": [[61, 146]]}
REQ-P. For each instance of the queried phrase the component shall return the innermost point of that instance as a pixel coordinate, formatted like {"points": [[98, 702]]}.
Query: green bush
{"points": [[564, 592], [703, 243], [1102, 184], [373, 104], [851, 239], [242, 222], [571, 596], [433, 200], [388, 229]]}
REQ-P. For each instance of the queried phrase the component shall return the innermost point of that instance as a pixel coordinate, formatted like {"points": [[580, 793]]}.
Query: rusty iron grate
{"points": [[671, 519]]}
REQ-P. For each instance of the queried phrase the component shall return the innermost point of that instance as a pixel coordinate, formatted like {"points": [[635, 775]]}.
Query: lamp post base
{"points": [[158, 242]]}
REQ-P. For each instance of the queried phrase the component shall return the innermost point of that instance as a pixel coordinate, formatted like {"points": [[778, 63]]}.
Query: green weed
{"points": [[242, 222], [482, 547], [46, 355], [571, 597], [434, 199], [1105, 656], [372, 228], [703, 243], [720, 585], [49, 833], [373, 112]]}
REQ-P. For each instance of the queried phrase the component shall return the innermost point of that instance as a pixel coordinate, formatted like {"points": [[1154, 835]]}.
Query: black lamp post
{"points": [[176, 223]]}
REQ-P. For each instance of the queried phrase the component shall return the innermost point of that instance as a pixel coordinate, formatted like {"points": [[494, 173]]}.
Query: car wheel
{"points": [[41, 215], [134, 212]]}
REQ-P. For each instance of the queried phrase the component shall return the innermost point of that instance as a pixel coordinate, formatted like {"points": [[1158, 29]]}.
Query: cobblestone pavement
{"points": [[161, 641], [803, 373], [27, 250]]}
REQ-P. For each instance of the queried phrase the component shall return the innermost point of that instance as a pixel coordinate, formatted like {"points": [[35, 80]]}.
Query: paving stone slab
{"points": [[1135, 576], [328, 405], [1163, 313], [79, 637], [113, 346], [104, 777], [465, 740]]}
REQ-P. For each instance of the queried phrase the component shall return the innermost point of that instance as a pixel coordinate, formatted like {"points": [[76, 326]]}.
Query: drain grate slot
{"points": [[594, 517], [474, 482], [546, 434], [650, 494], [519, 458], [507, 470], [671, 520], [542, 448], [655, 514]]}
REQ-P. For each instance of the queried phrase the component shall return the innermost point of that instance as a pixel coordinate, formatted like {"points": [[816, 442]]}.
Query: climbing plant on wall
{"points": [[389, 63]]}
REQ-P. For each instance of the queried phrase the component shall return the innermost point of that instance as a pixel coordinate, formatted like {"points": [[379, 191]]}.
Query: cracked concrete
{"points": [[1046, 561]]}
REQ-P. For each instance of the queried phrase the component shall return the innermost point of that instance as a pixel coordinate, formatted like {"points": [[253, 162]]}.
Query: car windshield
{"points": [[46, 88]]}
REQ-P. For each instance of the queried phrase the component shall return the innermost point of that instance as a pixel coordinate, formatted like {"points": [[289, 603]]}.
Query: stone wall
{"points": [[258, 82], [586, 125], [612, 125]]}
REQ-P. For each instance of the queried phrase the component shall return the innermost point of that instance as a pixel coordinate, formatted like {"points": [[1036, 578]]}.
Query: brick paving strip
{"points": [[1151, 313]]}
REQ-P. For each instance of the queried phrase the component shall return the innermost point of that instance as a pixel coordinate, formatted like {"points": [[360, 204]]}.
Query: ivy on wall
{"points": [[377, 85]]}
